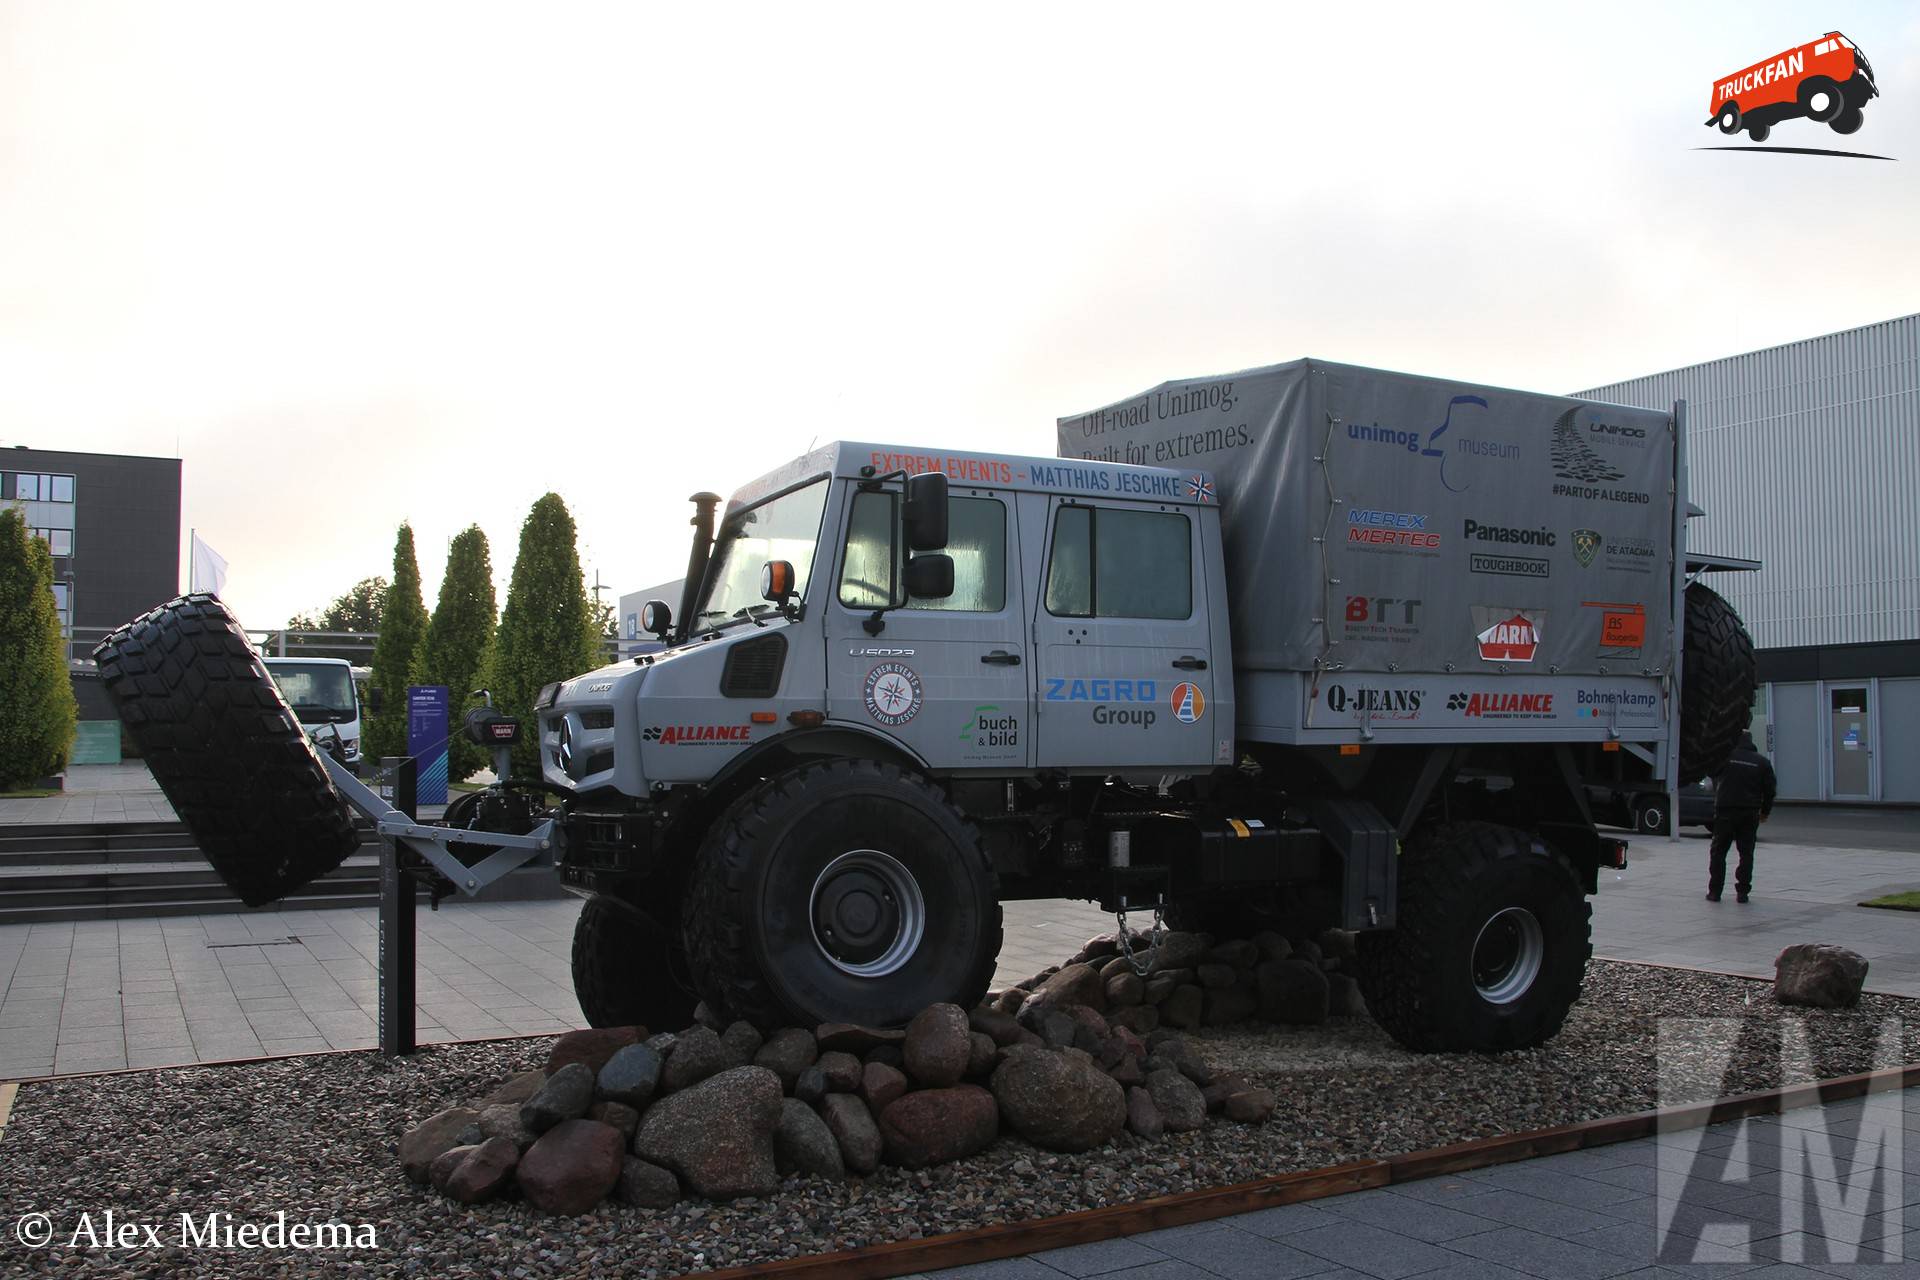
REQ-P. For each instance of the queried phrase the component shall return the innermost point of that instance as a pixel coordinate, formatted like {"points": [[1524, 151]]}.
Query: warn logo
{"points": [[677, 735], [1515, 638]]}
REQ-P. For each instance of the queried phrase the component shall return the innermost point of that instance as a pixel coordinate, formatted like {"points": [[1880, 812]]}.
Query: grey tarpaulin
{"points": [[1389, 522]]}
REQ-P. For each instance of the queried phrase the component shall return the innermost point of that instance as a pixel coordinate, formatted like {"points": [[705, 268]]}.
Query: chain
{"points": [[1143, 967]]}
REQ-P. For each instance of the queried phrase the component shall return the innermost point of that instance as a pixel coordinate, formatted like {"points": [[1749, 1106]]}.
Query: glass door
{"points": [[1851, 743]]}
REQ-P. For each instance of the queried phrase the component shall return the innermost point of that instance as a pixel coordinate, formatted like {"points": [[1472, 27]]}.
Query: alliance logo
{"points": [[1508, 635], [686, 735], [1503, 706]]}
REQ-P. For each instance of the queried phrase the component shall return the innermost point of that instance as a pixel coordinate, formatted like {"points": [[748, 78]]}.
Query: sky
{"points": [[360, 264]]}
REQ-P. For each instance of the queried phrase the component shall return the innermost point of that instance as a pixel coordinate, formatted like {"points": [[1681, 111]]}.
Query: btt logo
{"points": [[1828, 81]]}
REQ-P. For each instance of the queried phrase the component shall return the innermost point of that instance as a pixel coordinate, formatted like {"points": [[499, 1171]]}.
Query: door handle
{"points": [[1187, 662], [1001, 658]]}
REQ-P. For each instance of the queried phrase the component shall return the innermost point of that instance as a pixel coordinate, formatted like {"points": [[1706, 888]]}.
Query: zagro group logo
{"points": [[1826, 81]]}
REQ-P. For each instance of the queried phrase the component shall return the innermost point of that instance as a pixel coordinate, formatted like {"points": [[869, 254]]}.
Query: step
{"points": [[189, 907]]}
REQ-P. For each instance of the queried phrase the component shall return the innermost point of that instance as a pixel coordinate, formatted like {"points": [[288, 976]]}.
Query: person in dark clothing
{"points": [[1742, 800]]}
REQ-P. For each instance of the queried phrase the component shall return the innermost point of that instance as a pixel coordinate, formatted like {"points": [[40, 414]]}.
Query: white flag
{"points": [[208, 570]]}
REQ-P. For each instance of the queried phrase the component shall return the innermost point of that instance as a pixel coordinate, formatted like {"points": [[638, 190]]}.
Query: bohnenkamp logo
{"points": [[1825, 81]]}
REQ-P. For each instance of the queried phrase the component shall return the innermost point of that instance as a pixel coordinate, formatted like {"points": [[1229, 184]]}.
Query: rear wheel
{"points": [[1848, 121], [847, 891], [628, 969], [1491, 946], [1650, 816], [1821, 99], [1758, 132], [1729, 118]]}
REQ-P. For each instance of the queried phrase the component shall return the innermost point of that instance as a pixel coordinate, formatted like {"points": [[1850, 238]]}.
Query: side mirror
{"points": [[930, 577], [375, 701], [656, 619], [925, 513], [776, 582]]}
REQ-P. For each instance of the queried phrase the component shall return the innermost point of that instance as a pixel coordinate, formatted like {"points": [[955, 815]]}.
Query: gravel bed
{"points": [[315, 1137]]}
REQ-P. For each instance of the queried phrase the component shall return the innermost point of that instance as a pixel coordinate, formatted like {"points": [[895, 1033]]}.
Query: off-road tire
{"points": [[1848, 121], [1716, 685], [1729, 118], [225, 748], [628, 969], [1757, 131], [1418, 978], [750, 929], [1814, 85]]}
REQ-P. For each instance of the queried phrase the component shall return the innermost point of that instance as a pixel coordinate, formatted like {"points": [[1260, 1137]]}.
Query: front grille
{"points": [[753, 667], [601, 719]]}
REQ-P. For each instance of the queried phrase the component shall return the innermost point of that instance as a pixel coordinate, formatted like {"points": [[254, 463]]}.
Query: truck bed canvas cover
{"points": [[1386, 522]]}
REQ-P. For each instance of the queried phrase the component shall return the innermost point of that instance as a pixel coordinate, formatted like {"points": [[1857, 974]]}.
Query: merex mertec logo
{"points": [[1828, 81], [1507, 635]]}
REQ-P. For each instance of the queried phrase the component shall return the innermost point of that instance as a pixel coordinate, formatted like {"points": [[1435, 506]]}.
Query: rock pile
{"points": [[724, 1113], [1194, 982]]}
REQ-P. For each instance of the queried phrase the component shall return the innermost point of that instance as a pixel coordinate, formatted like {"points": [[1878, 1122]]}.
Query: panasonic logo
{"points": [[1505, 533]]}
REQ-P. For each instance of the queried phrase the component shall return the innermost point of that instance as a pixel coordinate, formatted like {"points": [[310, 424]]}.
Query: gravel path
{"points": [[314, 1137]]}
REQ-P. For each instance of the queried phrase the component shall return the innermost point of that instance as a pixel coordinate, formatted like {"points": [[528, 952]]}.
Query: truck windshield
{"points": [[317, 694], [783, 528]]}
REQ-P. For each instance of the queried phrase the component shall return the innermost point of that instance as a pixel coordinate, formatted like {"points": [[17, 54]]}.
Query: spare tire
{"points": [[225, 748], [1716, 685]]}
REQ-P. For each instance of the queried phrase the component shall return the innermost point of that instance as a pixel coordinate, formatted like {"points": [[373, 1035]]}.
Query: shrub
{"points": [[396, 654], [546, 632], [37, 708], [458, 639]]}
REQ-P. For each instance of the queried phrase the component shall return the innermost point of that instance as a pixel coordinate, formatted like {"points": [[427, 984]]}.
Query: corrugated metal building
{"points": [[1807, 458]]}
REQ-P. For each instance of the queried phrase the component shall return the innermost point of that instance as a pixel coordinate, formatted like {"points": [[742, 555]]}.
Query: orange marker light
{"points": [[764, 717], [1349, 748], [807, 719], [1609, 746]]}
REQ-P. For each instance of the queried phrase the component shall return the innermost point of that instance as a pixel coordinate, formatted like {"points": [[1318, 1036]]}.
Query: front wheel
{"points": [[1729, 118], [1821, 99], [1650, 816], [846, 891], [1491, 948], [1848, 121], [1759, 132]]}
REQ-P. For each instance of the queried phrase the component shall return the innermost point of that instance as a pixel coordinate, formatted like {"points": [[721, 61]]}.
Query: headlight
{"points": [[547, 695]]}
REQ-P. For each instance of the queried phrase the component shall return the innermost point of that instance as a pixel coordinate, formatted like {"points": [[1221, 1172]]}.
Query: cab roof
{"points": [[1071, 477]]}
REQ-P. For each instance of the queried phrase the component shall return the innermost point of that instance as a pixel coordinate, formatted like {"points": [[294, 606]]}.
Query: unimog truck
{"points": [[1299, 647]]}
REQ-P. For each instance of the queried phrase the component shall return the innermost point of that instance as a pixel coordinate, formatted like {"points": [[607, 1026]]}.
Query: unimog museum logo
{"points": [[1507, 635], [893, 694], [1434, 443]]}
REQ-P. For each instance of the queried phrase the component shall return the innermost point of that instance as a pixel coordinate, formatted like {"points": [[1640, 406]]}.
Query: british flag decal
{"points": [[1200, 488]]}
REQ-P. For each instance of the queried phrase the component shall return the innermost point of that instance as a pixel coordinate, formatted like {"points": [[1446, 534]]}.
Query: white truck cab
{"points": [[321, 691]]}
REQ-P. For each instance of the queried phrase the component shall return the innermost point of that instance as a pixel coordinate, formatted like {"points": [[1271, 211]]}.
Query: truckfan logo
{"points": [[1507, 635], [1189, 704], [1828, 81], [1586, 545], [892, 693]]}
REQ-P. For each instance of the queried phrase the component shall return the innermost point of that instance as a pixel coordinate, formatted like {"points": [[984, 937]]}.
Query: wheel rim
{"points": [[1651, 820], [1507, 955], [868, 913]]}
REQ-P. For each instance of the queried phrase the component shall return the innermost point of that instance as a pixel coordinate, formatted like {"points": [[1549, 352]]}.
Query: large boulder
{"points": [[982, 1054], [787, 1053], [1058, 1099], [697, 1053], [880, 1084], [1003, 1027], [1224, 1007], [1184, 1007], [1343, 997], [572, 1167], [566, 1095], [1139, 1018], [1075, 984], [1251, 1105], [484, 1171], [1293, 991], [850, 1038], [504, 1121], [1125, 988], [1819, 974], [853, 1128], [934, 1126], [646, 1186], [1181, 951], [1178, 1100], [739, 1042], [433, 1138], [840, 1071], [937, 1045], [1241, 953], [515, 1090], [446, 1162], [1143, 1118], [630, 1076], [717, 1134], [802, 1143], [593, 1046], [618, 1114]]}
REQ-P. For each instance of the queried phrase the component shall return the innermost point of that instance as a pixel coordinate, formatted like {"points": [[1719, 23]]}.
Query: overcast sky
{"points": [[359, 264]]}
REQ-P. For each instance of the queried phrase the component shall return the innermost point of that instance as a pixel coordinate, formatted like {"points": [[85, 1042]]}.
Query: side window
{"points": [[977, 541], [1112, 563], [868, 574]]}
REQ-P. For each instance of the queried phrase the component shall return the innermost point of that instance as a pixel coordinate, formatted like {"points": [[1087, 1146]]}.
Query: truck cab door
{"points": [[949, 679], [1125, 652]]}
